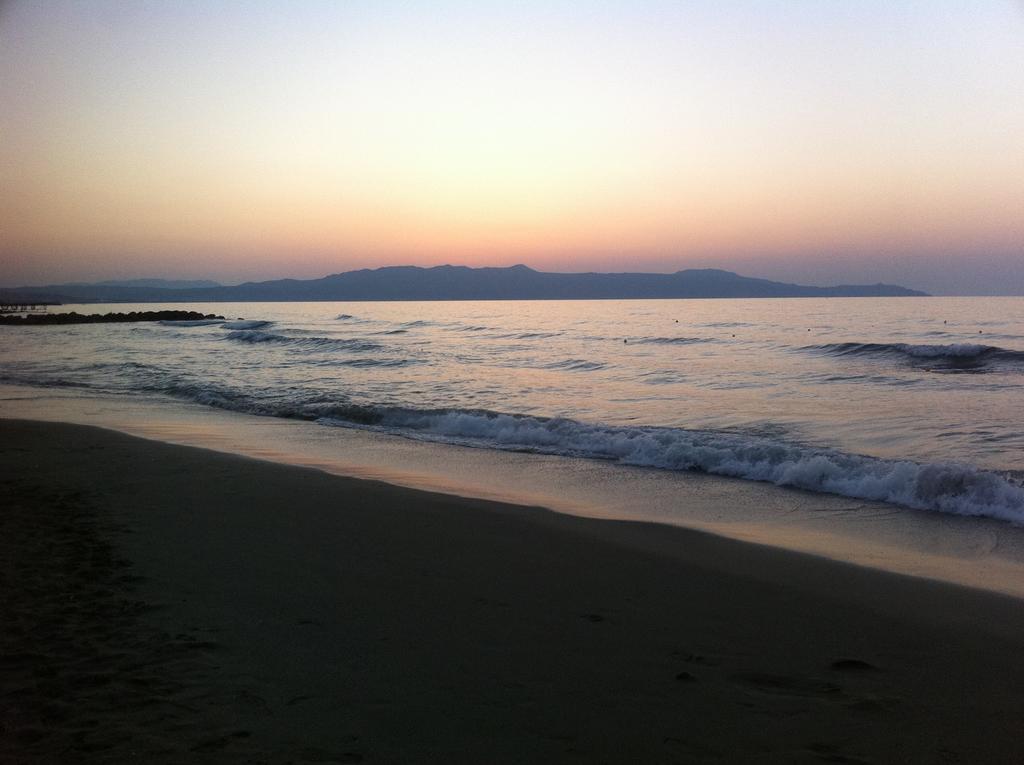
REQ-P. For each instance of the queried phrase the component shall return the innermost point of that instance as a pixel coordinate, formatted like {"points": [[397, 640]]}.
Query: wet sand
{"points": [[162, 603]]}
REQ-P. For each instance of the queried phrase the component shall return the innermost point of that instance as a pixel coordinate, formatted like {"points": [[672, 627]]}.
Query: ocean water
{"points": [[916, 402]]}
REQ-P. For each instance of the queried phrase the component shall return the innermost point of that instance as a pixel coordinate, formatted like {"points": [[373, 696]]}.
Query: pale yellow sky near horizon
{"points": [[781, 139]]}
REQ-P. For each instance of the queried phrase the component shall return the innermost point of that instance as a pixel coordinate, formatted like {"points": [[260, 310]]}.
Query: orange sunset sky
{"points": [[810, 141]]}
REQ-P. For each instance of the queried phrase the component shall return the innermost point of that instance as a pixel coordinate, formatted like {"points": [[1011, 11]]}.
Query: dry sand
{"points": [[168, 604]]}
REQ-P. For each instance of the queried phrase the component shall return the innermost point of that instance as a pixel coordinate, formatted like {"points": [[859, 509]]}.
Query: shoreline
{"points": [[969, 551], [278, 612]]}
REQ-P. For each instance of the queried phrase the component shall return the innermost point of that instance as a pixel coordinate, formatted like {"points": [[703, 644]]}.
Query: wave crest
{"points": [[938, 487], [671, 340], [575, 365], [190, 322], [348, 344], [941, 487], [244, 324], [950, 355]]}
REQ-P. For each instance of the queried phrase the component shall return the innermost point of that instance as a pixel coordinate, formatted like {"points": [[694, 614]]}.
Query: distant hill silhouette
{"points": [[170, 284], [464, 283]]}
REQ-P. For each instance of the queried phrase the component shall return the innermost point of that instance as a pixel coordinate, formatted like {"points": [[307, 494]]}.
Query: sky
{"points": [[812, 141]]}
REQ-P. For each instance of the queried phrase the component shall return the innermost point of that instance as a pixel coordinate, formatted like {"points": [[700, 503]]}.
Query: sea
{"points": [[887, 412]]}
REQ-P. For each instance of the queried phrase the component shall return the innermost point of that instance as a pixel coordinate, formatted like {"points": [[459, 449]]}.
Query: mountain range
{"points": [[452, 283], [171, 284]]}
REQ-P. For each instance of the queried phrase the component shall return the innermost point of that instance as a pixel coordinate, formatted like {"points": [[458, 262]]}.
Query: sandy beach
{"points": [[162, 603]]}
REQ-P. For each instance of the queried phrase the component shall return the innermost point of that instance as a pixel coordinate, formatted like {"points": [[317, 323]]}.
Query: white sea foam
{"points": [[943, 487], [844, 395], [946, 487]]}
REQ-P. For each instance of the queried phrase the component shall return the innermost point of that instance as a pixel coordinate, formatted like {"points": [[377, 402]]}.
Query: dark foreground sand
{"points": [[167, 604]]}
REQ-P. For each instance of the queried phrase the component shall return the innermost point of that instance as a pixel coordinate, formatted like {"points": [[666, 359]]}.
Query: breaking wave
{"points": [[941, 487], [945, 487]]}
